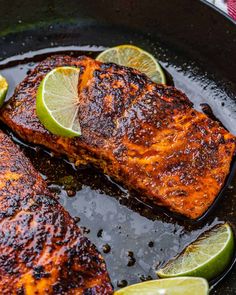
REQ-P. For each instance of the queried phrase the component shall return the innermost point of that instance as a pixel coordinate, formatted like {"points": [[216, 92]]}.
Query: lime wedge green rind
{"points": [[3, 89], [172, 286], [134, 57], [207, 257], [57, 102]]}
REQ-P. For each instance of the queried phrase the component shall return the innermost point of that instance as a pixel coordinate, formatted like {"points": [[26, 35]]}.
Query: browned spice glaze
{"points": [[145, 135], [42, 251]]}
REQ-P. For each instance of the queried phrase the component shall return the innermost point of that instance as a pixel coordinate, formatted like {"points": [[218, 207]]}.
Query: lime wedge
{"points": [[173, 286], [3, 89], [57, 102], [207, 257], [134, 57]]}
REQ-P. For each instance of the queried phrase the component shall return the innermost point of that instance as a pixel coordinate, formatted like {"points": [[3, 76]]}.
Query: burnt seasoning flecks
{"points": [[42, 251], [144, 135]]}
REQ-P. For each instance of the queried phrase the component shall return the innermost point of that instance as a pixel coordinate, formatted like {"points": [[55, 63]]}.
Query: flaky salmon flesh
{"points": [[42, 251], [144, 135]]}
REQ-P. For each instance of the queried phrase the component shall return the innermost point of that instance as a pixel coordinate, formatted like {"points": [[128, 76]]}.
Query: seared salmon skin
{"points": [[42, 251], [144, 135]]}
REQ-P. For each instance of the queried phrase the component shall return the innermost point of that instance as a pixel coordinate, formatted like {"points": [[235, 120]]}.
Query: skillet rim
{"points": [[223, 13]]}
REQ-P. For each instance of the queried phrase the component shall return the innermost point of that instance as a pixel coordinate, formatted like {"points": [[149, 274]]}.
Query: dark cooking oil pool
{"points": [[134, 238]]}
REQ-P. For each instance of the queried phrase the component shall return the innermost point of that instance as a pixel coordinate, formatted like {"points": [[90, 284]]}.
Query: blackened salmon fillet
{"points": [[42, 251], [145, 135]]}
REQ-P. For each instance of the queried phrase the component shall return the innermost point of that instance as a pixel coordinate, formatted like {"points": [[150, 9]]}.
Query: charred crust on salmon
{"points": [[42, 251], [145, 135]]}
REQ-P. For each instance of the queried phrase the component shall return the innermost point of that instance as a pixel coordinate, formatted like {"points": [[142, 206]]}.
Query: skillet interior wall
{"points": [[182, 23]]}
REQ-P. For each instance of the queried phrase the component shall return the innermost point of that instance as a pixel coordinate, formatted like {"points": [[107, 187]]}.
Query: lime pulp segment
{"points": [[207, 257], [3, 89], [134, 57], [172, 286], [57, 102]]}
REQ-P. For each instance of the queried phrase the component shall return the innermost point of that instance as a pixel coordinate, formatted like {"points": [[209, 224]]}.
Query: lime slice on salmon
{"points": [[173, 286], [57, 102], [134, 57], [3, 89], [207, 257]]}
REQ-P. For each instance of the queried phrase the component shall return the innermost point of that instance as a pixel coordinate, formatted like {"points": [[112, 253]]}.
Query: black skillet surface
{"points": [[195, 45]]}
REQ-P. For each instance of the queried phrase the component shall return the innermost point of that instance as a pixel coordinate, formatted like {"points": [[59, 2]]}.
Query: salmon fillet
{"points": [[42, 251], [145, 135]]}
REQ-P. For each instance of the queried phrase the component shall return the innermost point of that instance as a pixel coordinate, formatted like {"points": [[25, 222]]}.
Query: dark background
{"points": [[183, 26]]}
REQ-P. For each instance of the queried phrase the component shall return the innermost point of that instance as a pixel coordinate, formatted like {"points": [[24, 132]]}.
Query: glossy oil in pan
{"points": [[133, 237]]}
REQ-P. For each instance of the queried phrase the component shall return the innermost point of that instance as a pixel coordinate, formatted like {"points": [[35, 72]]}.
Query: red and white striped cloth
{"points": [[231, 5], [228, 6]]}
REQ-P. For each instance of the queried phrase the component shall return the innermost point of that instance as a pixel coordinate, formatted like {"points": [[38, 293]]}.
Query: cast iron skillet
{"points": [[196, 45]]}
